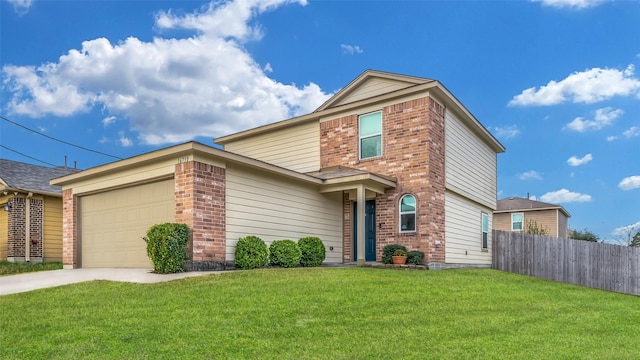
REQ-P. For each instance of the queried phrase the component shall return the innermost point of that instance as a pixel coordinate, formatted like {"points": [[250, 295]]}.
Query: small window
{"points": [[485, 231], [516, 221], [408, 213], [370, 134]]}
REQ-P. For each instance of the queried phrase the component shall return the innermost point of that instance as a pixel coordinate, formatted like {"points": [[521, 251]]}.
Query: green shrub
{"points": [[313, 251], [415, 257], [285, 253], [167, 247], [388, 250], [251, 253]]}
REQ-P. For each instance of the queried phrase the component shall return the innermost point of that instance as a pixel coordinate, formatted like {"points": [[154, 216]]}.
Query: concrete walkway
{"points": [[43, 279]]}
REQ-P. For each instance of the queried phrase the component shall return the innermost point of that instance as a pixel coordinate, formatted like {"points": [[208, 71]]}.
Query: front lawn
{"points": [[11, 268], [322, 313]]}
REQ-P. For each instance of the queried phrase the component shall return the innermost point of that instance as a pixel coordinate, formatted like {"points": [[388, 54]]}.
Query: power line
{"points": [[25, 155], [58, 140]]}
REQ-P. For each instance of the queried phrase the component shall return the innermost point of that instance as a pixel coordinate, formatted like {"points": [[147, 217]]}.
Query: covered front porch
{"points": [[360, 189]]}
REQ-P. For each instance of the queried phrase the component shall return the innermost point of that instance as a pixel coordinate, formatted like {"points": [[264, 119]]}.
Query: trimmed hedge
{"points": [[388, 250], [167, 247], [313, 251], [415, 257], [285, 253], [251, 253]]}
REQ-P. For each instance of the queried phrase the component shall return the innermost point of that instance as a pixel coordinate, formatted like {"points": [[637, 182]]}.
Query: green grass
{"points": [[11, 268], [323, 313]]}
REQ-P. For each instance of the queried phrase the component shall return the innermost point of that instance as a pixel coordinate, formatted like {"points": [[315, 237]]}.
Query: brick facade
{"points": [[200, 203], [17, 229], [413, 153], [69, 230]]}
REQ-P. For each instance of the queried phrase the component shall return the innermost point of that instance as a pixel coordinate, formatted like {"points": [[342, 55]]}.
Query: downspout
{"points": [[27, 241]]}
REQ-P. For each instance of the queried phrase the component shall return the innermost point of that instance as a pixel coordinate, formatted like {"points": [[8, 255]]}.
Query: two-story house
{"points": [[518, 214], [388, 159]]}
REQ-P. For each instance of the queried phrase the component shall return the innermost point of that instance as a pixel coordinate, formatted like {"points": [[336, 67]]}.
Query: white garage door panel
{"points": [[113, 224]]}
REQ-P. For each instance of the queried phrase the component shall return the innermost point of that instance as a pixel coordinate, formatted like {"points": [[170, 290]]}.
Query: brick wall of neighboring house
{"points": [[69, 233], [200, 203], [413, 153], [36, 228], [17, 231]]}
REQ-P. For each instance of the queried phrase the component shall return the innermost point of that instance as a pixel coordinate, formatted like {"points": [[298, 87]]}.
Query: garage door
{"points": [[113, 223]]}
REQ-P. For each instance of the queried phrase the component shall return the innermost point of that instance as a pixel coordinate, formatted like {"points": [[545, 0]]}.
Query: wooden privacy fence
{"points": [[596, 265]]}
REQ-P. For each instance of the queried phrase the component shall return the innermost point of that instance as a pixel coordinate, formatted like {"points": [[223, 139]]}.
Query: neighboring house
{"points": [[388, 159], [30, 212], [517, 214]]}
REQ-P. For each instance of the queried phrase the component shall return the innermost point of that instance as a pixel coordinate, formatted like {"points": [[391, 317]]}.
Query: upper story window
{"points": [[407, 213], [370, 135], [517, 221], [485, 232]]}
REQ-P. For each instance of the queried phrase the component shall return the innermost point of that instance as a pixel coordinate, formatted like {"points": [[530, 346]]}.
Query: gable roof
{"points": [[371, 83], [21, 176], [353, 96], [517, 204]]}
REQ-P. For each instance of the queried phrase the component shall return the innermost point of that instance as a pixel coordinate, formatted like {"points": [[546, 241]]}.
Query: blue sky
{"points": [[556, 81]]}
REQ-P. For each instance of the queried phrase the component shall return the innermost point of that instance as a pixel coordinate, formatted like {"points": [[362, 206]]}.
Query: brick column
{"points": [[200, 203], [69, 230], [436, 183]]}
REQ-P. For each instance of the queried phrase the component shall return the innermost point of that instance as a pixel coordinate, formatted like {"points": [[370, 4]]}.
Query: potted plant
{"points": [[399, 257]]}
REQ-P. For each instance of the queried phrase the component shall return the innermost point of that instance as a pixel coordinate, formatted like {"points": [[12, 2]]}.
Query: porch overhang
{"points": [[361, 185]]}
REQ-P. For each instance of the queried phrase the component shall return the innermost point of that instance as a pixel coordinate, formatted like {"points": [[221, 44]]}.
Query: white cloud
{"points": [[603, 117], [125, 141], [170, 89], [530, 175], [351, 49], [267, 68], [507, 132], [564, 196], [632, 132], [611, 138], [578, 4], [589, 86], [630, 183], [575, 161], [626, 230], [21, 6], [108, 121]]}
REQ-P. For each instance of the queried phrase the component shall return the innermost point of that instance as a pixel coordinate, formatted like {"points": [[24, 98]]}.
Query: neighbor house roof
{"points": [[517, 204], [19, 176], [337, 104]]}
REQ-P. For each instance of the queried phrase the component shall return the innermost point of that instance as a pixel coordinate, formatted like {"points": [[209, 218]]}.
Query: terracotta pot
{"points": [[399, 260]]}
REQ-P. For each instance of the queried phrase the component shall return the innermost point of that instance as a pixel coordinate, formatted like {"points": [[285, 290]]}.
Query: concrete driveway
{"points": [[43, 279]]}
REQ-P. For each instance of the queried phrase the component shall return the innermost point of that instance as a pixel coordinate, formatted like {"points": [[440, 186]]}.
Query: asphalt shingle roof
{"points": [[29, 177], [522, 204]]}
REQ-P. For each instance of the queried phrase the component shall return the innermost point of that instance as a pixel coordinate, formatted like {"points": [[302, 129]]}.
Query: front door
{"points": [[369, 230]]}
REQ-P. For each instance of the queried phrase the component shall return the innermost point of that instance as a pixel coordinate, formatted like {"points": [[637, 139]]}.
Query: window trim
{"points": [[482, 231], [360, 137], [521, 221], [414, 212]]}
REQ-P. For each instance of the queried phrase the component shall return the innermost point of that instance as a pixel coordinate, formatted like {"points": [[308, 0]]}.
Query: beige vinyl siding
{"points": [[373, 87], [545, 219], [502, 221], [470, 164], [463, 231], [563, 225], [52, 242], [273, 208], [296, 148], [4, 232]]}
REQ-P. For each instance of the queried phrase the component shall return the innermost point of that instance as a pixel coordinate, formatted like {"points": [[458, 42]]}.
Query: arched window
{"points": [[408, 213]]}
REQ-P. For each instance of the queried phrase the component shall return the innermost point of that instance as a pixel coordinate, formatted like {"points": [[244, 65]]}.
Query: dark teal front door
{"points": [[369, 230]]}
